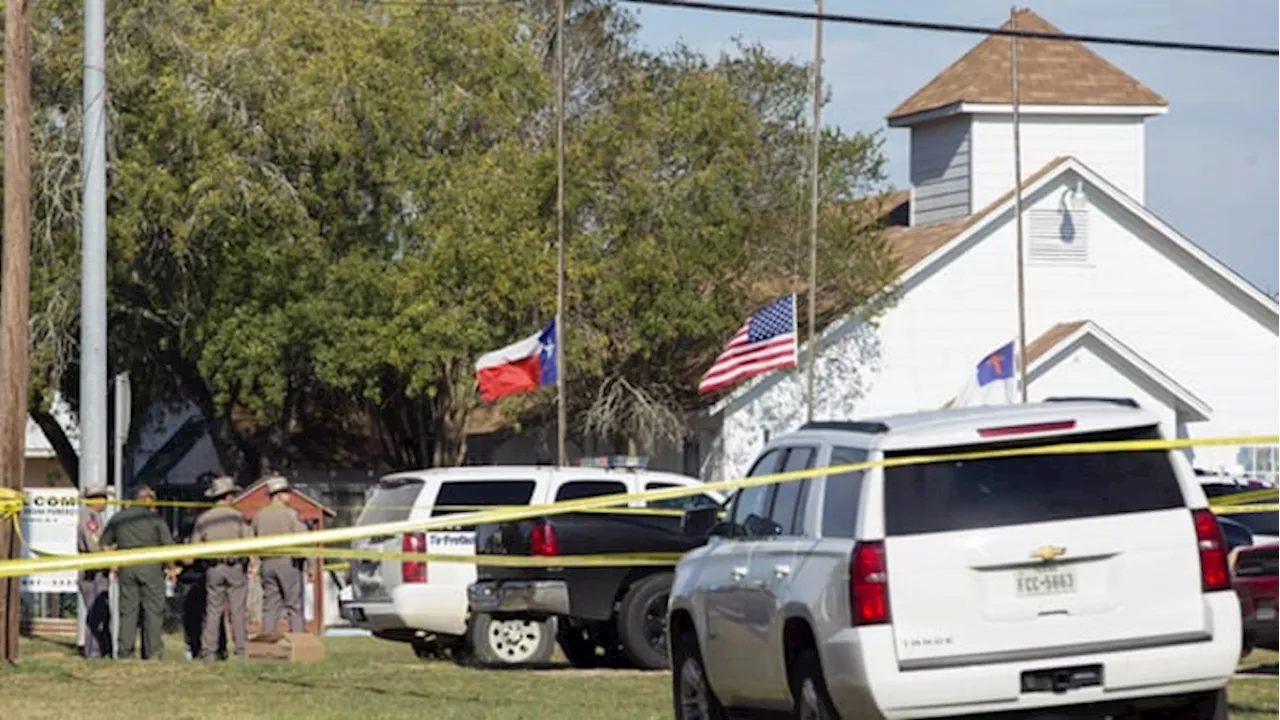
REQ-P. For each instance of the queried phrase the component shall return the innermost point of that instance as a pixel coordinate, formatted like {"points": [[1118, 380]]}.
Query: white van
{"points": [[425, 604]]}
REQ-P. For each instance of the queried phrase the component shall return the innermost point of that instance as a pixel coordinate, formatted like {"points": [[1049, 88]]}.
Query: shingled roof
{"points": [[1050, 72]]}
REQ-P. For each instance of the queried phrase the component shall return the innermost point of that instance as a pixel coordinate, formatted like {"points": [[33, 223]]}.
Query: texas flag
{"points": [[519, 367], [992, 382]]}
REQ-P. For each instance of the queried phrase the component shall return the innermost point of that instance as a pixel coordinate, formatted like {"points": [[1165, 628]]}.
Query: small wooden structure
{"points": [[311, 512]]}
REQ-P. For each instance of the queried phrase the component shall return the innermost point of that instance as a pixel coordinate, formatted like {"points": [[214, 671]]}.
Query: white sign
{"points": [[49, 522]]}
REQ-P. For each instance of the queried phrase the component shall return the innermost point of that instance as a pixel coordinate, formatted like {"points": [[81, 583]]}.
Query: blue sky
{"points": [[1212, 163]]}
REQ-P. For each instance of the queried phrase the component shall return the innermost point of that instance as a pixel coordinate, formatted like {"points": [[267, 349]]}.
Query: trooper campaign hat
{"points": [[276, 484], [97, 490], [221, 487]]}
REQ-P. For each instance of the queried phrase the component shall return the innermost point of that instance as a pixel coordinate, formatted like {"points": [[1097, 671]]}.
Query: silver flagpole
{"points": [[561, 413]]}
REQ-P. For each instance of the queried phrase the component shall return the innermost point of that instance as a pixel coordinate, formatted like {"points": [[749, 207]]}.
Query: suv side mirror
{"points": [[700, 522]]}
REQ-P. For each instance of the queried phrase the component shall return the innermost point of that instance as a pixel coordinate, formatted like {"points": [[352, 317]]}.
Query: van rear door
{"points": [[392, 501], [1020, 558]]}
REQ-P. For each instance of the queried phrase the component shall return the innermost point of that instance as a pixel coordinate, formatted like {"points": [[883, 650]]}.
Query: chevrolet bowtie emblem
{"points": [[1048, 552]]}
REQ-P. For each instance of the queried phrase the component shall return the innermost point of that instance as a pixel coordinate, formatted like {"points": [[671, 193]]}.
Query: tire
{"points": [[1205, 706], [809, 689], [493, 642], [642, 621], [1210, 706], [691, 695], [579, 647]]}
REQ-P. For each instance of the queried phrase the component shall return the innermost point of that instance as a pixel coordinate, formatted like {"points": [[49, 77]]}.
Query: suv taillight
{"points": [[1214, 574], [413, 571], [543, 541], [869, 584]]}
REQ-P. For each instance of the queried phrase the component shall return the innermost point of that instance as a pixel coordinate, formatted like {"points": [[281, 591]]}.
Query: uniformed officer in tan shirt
{"points": [[281, 576], [226, 578], [94, 583]]}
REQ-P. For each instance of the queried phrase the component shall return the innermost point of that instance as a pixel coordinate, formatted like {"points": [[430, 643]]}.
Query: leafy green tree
{"points": [[321, 212]]}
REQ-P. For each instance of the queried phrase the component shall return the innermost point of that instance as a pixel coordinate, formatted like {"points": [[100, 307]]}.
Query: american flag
{"points": [[766, 342]]}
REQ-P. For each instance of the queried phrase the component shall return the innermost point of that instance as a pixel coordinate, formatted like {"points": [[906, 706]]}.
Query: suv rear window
{"points": [[392, 501], [458, 496], [965, 495]]}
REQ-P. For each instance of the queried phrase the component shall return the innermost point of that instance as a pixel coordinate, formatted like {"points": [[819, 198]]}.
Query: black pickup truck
{"points": [[607, 615]]}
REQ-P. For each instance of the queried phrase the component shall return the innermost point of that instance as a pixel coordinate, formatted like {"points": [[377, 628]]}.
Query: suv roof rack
{"points": [[865, 427], [1123, 401]]}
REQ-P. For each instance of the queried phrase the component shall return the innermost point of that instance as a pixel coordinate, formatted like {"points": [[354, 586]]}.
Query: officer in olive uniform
{"points": [[94, 583], [225, 579], [141, 586], [281, 576]]}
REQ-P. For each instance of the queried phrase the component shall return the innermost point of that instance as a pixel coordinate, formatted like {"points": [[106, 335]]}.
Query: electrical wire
{"points": [[948, 27]]}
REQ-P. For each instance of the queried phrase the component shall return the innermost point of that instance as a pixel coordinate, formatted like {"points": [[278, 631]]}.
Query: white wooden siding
{"points": [[940, 170], [1162, 305], [1109, 145], [1057, 236]]}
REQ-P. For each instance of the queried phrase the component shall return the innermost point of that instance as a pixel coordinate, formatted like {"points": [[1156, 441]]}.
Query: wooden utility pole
{"points": [[13, 294], [1017, 204], [813, 215]]}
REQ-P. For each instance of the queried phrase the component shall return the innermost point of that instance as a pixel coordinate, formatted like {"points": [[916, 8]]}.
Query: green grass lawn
{"points": [[368, 678]]}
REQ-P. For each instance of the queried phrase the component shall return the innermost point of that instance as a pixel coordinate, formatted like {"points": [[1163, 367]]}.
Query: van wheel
{"points": [[809, 689], [642, 621], [691, 692], [510, 642]]}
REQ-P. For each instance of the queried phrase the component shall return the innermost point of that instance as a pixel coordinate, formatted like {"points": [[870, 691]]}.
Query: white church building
{"points": [[1118, 302]]}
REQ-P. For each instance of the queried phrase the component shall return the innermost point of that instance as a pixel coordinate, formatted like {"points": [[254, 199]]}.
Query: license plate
{"points": [[1046, 581], [1266, 611]]}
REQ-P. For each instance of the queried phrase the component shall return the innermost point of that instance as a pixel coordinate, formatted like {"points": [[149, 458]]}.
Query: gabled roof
{"points": [[1050, 72], [921, 248], [1063, 337]]}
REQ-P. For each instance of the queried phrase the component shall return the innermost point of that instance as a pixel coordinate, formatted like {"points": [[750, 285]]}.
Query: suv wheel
{"points": [[690, 692], [642, 621], [510, 642], [809, 689]]}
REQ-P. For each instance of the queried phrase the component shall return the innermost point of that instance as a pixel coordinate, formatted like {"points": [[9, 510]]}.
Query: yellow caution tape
{"points": [[557, 561], [200, 504], [246, 546], [1246, 497], [12, 503], [1237, 509]]}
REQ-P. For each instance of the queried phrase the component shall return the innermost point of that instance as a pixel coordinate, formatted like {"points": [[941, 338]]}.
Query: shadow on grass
{"points": [[306, 685], [1261, 670]]}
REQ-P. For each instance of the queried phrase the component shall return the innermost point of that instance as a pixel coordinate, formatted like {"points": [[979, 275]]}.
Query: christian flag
{"points": [[519, 367], [992, 381]]}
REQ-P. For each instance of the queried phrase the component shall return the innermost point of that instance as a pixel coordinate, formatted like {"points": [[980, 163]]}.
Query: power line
{"points": [[948, 27]]}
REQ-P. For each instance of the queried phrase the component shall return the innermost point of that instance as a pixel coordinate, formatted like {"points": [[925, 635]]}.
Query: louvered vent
{"points": [[1058, 237]]}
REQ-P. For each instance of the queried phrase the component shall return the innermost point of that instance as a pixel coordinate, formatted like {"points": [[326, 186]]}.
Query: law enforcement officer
{"points": [[225, 579], [141, 586], [94, 583], [281, 576]]}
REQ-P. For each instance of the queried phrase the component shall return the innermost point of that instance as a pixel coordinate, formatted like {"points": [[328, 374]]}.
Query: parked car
{"points": [[1095, 581], [605, 615], [425, 604], [1237, 534], [1254, 578]]}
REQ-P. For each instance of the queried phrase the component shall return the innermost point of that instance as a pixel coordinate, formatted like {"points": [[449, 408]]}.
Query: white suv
{"points": [[426, 603], [1024, 584]]}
